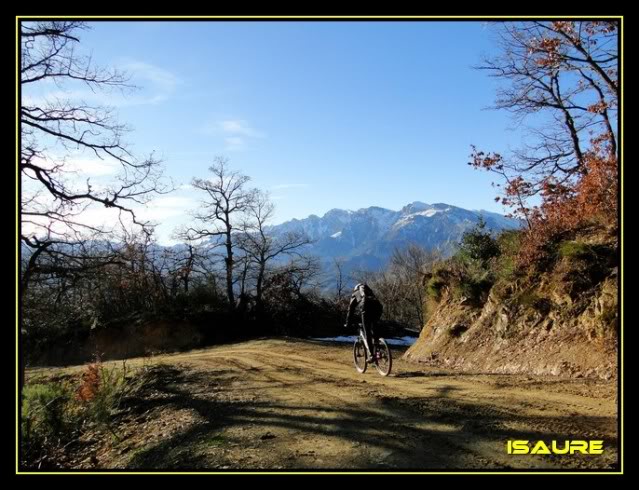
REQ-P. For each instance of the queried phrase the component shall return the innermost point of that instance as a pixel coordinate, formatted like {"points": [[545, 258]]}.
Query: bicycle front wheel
{"points": [[359, 356], [383, 358]]}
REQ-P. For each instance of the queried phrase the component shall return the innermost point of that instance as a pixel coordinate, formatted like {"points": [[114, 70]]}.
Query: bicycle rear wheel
{"points": [[383, 358], [359, 356]]}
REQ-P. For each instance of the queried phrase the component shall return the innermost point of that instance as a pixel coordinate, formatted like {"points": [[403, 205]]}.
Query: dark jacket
{"points": [[363, 300]]}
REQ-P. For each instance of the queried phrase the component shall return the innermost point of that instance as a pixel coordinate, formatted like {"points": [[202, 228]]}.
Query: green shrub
{"points": [[589, 264], [474, 291], [48, 418], [434, 287], [576, 250], [106, 400], [478, 245], [53, 413], [469, 272], [509, 242], [505, 266]]}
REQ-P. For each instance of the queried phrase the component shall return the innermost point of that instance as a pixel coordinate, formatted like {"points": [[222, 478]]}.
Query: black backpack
{"points": [[371, 305], [368, 292]]}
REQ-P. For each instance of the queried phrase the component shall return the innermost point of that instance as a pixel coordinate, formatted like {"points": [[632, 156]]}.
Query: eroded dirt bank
{"points": [[281, 404]]}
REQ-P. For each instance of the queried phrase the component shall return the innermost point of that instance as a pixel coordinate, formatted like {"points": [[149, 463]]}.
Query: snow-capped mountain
{"points": [[367, 237]]}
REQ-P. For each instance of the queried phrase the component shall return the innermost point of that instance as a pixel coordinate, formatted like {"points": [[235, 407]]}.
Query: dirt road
{"points": [[279, 404]]}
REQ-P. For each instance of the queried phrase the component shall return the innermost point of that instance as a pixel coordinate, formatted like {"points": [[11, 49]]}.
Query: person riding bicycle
{"points": [[368, 307]]}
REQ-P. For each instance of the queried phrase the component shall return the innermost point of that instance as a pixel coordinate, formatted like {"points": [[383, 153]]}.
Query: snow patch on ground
{"points": [[403, 341]]}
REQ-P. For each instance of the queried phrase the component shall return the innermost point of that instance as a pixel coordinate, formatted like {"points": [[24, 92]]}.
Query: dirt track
{"points": [[276, 404]]}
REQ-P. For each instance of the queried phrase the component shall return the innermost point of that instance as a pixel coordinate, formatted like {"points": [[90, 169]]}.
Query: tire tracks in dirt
{"points": [[484, 409]]}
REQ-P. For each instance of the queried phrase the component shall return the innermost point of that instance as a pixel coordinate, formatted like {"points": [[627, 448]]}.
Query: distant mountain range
{"points": [[366, 238]]}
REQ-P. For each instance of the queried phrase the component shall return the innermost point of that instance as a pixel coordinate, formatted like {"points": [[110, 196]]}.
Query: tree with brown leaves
{"points": [[562, 78]]}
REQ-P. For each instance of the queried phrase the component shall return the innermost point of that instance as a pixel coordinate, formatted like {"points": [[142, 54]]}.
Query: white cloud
{"points": [[158, 77], [237, 132], [92, 167], [95, 215], [159, 83], [167, 207], [78, 167], [239, 127], [166, 211]]}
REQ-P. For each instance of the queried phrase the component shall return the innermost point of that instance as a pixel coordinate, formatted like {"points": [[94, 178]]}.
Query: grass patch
{"points": [[593, 254], [474, 291], [57, 410], [577, 250], [215, 440], [49, 418], [586, 264], [434, 287]]}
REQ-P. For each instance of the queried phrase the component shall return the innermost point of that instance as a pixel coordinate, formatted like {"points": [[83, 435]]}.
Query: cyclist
{"points": [[369, 308]]}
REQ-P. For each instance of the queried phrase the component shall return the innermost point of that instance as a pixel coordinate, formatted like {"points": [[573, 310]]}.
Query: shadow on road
{"points": [[404, 430]]}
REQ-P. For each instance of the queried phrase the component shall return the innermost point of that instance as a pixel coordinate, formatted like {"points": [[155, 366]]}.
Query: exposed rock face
{"points": [[552, 327]]}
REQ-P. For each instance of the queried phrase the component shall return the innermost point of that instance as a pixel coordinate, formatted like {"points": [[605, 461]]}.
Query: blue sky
{"points": [[322, 114]]}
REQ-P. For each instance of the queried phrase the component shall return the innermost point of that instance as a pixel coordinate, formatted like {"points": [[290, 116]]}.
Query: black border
{"points": [[302, 17]]}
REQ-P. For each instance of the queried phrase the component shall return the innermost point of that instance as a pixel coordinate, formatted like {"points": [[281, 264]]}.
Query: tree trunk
{"points": [[229, 271], [259, 283], [189, 267]]}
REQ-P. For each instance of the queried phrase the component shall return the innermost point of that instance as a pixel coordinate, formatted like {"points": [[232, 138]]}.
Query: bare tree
{"points": [[562, 77], [400, 286], [262, 248], [411, 266], [57, 239], [301, 274], [339, 278], [414, 260], [221, 213], [188, 262], [194, 259], [54, 198]]}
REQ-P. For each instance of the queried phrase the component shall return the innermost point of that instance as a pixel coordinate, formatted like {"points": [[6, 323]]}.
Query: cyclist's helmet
{"points": [[363, 288]]}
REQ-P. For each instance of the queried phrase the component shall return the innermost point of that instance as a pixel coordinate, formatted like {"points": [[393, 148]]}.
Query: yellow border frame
{"points": [[315, 17]]}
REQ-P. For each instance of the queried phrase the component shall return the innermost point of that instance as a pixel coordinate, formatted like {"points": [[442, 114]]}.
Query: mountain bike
{"points": [[381, 355]]}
